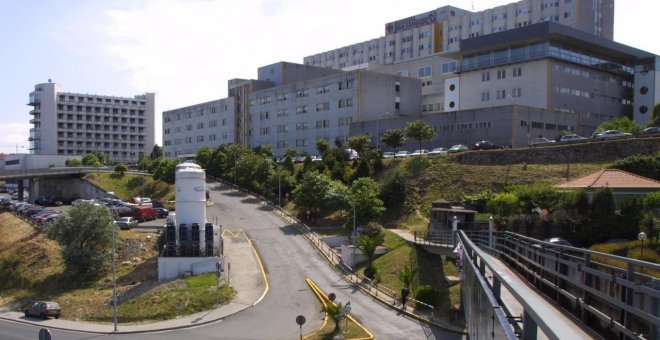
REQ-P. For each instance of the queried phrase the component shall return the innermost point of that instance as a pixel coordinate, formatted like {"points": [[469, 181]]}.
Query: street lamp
{"points": [[642, 237], [377, 131], [114, 279]]}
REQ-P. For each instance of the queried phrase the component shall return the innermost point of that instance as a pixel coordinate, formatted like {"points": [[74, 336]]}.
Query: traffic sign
{"points": [[300, 320]]}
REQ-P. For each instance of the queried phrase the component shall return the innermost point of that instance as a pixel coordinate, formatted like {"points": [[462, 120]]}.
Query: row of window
{"points": [[100, 100], [591, 95], [97, 109], [501, 73], [546, 126], [115, 154], [591, 75], [88, 118], [463, 126], [99, 144], [99, 127], [501, 94], [189, 114], [189, 140], [105, 136]]}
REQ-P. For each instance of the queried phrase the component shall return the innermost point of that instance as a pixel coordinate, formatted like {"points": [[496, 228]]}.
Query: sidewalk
{"points": [[246, 277]]}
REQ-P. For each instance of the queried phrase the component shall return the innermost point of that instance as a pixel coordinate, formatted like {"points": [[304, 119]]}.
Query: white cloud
{"points": [[15, 134]]}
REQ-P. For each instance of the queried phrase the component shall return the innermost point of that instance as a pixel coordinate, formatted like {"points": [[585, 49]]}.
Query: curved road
{"points": [[288, 259]]}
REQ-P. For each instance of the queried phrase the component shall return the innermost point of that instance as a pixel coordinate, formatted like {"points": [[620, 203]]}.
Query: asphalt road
{"points": [[288, 259]]}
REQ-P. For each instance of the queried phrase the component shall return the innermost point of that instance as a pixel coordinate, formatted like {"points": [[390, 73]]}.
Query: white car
{"points": [[422, 152], [572, 138], [402, 154], [612, 133], [388, 154], [540, 141], [438, 151]]}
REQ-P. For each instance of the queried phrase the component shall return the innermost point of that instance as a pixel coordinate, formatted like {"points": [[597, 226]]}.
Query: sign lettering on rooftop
{"points": [[414, 21]]}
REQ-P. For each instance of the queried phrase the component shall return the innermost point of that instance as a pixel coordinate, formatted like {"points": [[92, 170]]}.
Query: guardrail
{"points": [[382, 293], [616, 302]]}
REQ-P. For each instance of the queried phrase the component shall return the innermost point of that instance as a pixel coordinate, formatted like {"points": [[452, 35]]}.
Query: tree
{"points": [[312, 191], [72, 162], [91, 159], [655, 116], [393, 190], [333, 310], [165, 170], [265, 150], [647, 225], [359, 143], [290, 152], [365, 195], [144, 163], [368, 245], [322, 146], [621, 123], [156, 153], [394, 138], [504, 204], [419, 131], [406, 276], [643, 165], [204, 156], [120, 169], [85, 234]]}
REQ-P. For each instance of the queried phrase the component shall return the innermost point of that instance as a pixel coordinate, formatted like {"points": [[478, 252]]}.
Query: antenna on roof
{"points": [[473, 5]]}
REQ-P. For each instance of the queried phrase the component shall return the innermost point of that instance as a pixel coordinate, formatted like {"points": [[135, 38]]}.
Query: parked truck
{"points": [[144, 213]]}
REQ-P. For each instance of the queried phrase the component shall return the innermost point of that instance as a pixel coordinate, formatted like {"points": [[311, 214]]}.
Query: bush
{"points": [[426, 294], [643, 165]]}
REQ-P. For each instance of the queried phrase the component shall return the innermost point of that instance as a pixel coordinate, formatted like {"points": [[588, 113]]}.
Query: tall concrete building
{"points": [[290, 106], [66, 123]]}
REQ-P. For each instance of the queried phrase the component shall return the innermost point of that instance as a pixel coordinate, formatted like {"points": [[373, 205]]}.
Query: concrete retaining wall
{"points": [[585, 152]]}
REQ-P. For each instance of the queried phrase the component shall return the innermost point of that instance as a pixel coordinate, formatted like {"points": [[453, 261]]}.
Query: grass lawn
{"points": [[31, 268], [431, 271], [132, 185]]}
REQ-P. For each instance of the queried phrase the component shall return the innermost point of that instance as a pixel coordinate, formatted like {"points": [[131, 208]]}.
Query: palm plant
{"points": [[368, 245], [407, 275]]}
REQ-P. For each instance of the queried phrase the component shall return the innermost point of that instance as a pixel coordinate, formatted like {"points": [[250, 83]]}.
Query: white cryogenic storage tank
{"points": [[190, 196]]}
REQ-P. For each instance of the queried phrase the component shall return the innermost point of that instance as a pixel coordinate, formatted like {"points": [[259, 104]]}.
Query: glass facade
{"points": [[539, 51]]}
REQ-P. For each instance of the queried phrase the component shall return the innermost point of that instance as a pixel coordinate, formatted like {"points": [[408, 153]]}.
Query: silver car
{"points": [[612, 133], [126, 223]]}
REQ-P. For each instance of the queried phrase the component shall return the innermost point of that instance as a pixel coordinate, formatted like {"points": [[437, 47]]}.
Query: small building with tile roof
{"points": [[624, 185]]}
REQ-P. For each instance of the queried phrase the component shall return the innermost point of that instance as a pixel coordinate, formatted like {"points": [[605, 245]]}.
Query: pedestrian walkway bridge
{"points": [[518, 287]]}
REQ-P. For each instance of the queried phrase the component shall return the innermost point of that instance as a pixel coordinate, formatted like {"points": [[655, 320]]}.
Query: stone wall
{"points": [[584, 152]]}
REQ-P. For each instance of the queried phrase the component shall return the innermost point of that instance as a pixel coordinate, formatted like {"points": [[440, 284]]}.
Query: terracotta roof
{"points": [[612, 178]]}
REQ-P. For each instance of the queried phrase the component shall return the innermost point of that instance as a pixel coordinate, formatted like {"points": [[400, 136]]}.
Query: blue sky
{"points": [[185, 51]]}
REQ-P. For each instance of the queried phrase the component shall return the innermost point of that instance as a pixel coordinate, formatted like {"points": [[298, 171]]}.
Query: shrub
{"points": [[643, 165], [426, 294]]}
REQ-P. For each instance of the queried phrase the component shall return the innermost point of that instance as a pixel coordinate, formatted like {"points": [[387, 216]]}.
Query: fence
{"points": [[615, 301]]}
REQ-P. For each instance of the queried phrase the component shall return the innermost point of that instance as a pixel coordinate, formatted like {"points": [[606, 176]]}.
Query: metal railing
{"points": [[620, 301]]}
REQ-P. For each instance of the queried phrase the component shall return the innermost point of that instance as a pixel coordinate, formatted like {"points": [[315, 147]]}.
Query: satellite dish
{"points": [[50, 80]]}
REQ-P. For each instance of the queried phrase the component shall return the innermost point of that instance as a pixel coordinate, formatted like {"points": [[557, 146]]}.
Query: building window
{"points": [[501, 74], [322, 124], [424, 72], [264, 115], [200, 138], [501, 94], [264, 131], [517, 71], [301, 142], [449, 67], [200, 125], [301, 126], [282, 128], [517, 92], [323, 106], [485, 76], [485, 96]]}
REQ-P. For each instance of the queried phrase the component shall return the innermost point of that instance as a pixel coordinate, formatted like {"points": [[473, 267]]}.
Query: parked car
{"points": [[653, 130], [438, 151], [558, 240], [351, 154], [143, 213], [572, 138], [81, 201], [161, 212], [49, 219], [458, 148], [126, 222], [316, 158], [612, 134], [540, 141], [388, 154], [486, 145], [299, 159], [44, 309], [402, 154], [422, 152]]}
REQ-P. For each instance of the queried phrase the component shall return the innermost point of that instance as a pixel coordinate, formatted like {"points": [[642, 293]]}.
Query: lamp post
{"points": [[377, 131], [642, 237], [114, 280]]}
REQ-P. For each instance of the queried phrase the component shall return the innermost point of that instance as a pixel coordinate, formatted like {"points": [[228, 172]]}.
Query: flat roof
{"points": [[552, 31]]}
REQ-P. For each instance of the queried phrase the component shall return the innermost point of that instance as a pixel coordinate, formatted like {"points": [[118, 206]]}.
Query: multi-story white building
{"points": [[187, 129], [66, 123], [290, 106], [442, 29]]}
